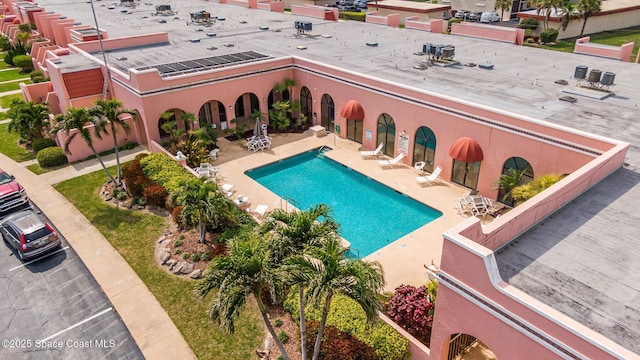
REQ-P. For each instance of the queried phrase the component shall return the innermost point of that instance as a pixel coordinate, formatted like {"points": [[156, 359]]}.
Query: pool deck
{"points": [[403, 260]]}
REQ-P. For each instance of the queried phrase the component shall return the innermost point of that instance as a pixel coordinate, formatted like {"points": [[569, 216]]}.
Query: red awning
{"points": [[466, 149], [352, 110]]}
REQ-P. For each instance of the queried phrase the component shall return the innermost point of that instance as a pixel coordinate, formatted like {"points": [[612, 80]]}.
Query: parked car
{"points": [[351, 8], [12, 194], [462, 14], [474, 16], [345, 2], [489, 17], [28, 234], [361, 4]]}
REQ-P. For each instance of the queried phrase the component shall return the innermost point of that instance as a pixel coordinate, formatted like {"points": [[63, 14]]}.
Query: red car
{"points": [[12, 194]]}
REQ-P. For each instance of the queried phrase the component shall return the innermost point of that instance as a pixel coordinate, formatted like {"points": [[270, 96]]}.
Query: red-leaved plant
{"points": [[411, 308]]}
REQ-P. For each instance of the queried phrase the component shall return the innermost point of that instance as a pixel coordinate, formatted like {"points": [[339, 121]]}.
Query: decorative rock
{"points": [[170, 263], [195, 274], [161, 239], [165, 256], [187, 268]]}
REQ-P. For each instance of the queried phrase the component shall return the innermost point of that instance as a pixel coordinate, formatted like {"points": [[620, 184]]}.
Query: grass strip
{"points": [[9, 145]]}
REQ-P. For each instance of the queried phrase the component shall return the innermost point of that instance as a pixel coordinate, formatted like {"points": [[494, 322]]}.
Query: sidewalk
{"points": [[154, 332]]}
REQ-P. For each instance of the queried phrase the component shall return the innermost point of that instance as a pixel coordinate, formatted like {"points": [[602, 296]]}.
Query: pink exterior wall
{"points": [[44, 27], [319, 12], [623, 53], [79, 150], [275, 6], [57, 28], [435, 26], [109, 44], [499, 33], [243, 3], [35, 92], [392, 20]]}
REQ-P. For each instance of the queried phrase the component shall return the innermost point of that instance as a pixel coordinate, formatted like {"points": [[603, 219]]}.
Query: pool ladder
{"points": [[331, 136], [285, 201]]}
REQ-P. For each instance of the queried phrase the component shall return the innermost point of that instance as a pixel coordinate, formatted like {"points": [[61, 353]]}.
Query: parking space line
{"points": [[78, 324], [40, 258]]}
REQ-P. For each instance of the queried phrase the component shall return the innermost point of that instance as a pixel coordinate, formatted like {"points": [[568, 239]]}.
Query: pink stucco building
{"points": [[523, 297]]}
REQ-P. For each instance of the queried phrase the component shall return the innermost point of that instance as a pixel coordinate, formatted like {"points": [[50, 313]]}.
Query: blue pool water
{"points": [[371, 215]]}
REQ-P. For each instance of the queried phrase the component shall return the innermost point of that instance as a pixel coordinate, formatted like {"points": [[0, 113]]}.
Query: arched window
{"points": [[213, 113], [327, 113], [387, 134], [525, 172], [425, 148], [306, 104]]}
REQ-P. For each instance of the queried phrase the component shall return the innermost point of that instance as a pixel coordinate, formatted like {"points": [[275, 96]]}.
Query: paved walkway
{"points": [[149, 324]]}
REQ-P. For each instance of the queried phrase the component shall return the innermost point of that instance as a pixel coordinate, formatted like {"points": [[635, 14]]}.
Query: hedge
{"points": [[40, 144], [165, 171], [549, 36], [348, 316], [51, 156]]}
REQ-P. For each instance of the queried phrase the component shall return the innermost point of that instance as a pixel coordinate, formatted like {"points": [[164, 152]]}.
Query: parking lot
{"points": [[52, 308]]}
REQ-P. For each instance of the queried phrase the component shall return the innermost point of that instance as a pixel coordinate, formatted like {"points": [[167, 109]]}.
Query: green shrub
{"points": [[165, 171], [39, 144], [128, 145], [186, 256], [350, 15], [177, 243], [549, 36], [205, 257], [348, 316], [177, 251], [277, 322], [453, 21], [36, 73], [283, 336], [24, 62], [195, 257], [528, 23], [51, 156]]}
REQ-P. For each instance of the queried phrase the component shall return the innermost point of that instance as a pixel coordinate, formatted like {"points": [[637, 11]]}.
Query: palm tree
{"points": [[545, 6], [509, 180], [292, 234], [201, 204], [567, 14], [503, 5], [326, 272], [588, 8], [243, 272], [77, 119], [108, 112], [28, 119]]}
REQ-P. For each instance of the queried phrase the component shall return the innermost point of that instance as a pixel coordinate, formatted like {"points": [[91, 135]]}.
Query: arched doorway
{"points": [[213, 113], [524, 173], [278, 93], [172, 124], [306, 105], [387, 134], [245, 105], [425, 148], [465, 346], [327, 113]]}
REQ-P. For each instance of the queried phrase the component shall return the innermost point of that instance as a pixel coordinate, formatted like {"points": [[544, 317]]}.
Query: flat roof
{"points": [[599, 287]]}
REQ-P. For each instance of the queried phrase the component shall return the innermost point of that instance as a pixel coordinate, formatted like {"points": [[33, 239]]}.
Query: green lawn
{"points": [[12, 74], [3, 65], [12, 86], [9, 145], [5, 101], [134, 235], [615, 38]]}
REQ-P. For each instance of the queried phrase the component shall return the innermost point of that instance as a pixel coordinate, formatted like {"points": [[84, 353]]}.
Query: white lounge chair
{"points": [[261, 210], [391, 163], [227, 189], [374, 153], [434, 177]]}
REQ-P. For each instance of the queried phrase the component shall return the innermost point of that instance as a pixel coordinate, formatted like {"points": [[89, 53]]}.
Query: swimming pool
{"points": [[371, 215]]}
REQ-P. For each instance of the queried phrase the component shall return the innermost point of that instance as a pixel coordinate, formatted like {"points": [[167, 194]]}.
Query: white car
{"points": [[489, 17]]}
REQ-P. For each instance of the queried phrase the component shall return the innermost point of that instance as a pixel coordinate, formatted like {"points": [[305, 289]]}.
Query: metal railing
{"points": [[459, 344], [285, 201]]}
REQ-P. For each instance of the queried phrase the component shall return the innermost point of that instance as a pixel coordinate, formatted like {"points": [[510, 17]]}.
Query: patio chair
{"points": [[265, 142], [428, 180], [419, 167], [478, 206], [227, 189], [261, 210], [385, 164], [375, 153]]}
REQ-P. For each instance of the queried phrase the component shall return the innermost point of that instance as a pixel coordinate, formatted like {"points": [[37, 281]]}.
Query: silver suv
{"points": [[28, 234]]}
